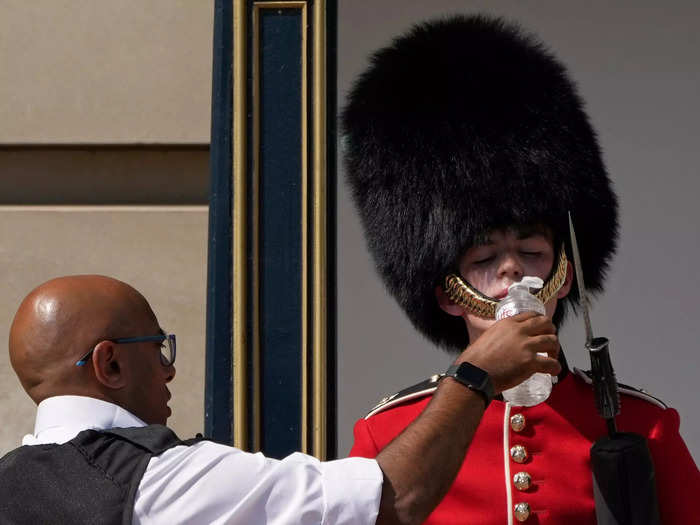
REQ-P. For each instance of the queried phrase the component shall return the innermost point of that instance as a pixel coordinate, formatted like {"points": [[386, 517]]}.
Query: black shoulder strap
{"points": [[639, 393], [130, 450], [153, 438], [427, 387], [422, 389]]}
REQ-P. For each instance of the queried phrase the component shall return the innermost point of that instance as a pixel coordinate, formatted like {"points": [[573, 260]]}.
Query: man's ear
{"points": [[107, 365], [446, 304], [568, 281]]}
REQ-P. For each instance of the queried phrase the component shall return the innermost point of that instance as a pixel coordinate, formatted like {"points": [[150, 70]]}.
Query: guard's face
{"points": [[505, 257]]}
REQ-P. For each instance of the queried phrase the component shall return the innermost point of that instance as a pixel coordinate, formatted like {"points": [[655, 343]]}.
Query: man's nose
{"points": [[170, 370]]}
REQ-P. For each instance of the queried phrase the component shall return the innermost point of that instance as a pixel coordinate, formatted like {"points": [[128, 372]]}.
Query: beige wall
{"points": [[106, 103], [161, 251], [104, 71]]}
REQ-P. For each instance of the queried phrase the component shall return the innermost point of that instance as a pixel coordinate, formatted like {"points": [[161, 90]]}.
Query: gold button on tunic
{"points": [[518, 453], [517, 422], [522, 480], [521, 511]]}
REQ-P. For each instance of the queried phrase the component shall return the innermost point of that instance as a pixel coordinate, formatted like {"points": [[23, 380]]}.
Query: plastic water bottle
{"points": [[537, 388]]}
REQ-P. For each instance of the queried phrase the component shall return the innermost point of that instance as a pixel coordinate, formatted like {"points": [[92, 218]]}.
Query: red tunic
{"points": [[557, 435]]}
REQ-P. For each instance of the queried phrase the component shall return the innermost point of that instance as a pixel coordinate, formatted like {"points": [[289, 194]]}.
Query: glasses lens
{"points": [[167, 350]]}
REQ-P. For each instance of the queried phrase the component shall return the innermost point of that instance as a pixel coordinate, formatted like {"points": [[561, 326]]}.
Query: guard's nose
{"points": [[510, 267]]}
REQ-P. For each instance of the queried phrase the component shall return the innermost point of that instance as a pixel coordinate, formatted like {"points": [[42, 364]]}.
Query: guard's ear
{"points": [[568, 281], [106, 362], [446, 304]]}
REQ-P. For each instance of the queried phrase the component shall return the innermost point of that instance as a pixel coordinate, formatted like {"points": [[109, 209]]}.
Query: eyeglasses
{"points": [[167, 347]]}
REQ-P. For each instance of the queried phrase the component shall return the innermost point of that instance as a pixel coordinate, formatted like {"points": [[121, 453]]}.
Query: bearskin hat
{"points": [[460, 126]]}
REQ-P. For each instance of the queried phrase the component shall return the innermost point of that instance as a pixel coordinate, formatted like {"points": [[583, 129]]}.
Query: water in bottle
{"points": [[537, 387]]}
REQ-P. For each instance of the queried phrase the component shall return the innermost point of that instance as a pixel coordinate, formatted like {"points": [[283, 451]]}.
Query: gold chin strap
{"points": [[464, 294]]}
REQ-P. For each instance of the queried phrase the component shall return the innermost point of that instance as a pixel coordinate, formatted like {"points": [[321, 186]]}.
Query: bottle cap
{"points": [[527, 283]]}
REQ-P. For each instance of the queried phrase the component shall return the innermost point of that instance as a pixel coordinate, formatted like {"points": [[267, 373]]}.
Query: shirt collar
{"points": [[61, 418]]}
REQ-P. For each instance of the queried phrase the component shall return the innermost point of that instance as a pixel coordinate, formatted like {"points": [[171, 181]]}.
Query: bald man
{"points": [[89, 351], [70, 316]]}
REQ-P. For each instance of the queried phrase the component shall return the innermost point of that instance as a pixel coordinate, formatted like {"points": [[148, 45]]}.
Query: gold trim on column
{"points": [[320, 279], [240, 281], [304, 426], [281, 5]]}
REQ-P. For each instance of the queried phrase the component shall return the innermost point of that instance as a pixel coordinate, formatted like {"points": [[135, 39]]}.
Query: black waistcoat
{"points": [[91, 479]]}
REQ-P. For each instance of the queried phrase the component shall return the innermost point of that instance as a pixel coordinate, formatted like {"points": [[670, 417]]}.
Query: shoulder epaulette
{"points": [[624, 389], [416, 391]]}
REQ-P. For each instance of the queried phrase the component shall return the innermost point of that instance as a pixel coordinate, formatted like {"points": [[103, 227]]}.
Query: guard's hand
{"points": [[508, 349]]}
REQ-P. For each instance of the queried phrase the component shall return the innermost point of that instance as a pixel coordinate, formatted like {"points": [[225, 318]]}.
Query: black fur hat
{"points": [[460, 126]]}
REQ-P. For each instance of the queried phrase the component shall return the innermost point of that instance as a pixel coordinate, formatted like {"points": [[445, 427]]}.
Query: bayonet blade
{"points": [[581, 285]]}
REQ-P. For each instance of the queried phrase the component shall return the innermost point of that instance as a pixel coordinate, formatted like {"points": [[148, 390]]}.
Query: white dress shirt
{"points": [[210, 483]]}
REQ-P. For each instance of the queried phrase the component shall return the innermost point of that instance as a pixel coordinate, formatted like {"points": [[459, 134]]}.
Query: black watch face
{"points": [[473, 374], [476, 379]]}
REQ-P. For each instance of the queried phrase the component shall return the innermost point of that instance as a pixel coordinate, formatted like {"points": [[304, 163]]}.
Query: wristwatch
{"points": [[474, 378]]}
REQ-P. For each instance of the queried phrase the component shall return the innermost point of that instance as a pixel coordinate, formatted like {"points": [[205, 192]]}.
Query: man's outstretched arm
{"points": [[421, 463]]}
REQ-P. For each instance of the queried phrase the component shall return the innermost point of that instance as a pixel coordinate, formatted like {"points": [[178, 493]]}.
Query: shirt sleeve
{"points": [[212, 483]]}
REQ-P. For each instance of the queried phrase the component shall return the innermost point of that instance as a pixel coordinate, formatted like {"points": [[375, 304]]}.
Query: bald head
{"points": [[62, 319]]}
